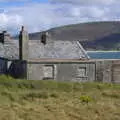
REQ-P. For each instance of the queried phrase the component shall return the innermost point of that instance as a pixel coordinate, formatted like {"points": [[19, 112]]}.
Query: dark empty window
{"points": [[1, 37], [43, 38]]}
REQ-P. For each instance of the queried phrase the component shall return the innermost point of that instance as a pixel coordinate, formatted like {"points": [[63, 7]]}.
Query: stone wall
{"points": [[56, 49], [34, 49], [62, 71], [17, 69], [115, 70], [88, 70], [108, 71], [23, 44], [14, 68], [104, 70], [3, 66], [9, 48]]}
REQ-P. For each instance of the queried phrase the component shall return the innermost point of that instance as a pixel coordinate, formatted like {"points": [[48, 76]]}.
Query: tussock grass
{"points": [[51, 100]]}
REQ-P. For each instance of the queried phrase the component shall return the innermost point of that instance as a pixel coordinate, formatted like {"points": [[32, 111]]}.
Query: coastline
{"points": [[102, 51]]}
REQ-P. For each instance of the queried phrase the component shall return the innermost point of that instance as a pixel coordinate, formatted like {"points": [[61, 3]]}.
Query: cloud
{"points": [[14, 0], [42, 16], [86, 2], [36, 17], [75, 14], [10, 21]]}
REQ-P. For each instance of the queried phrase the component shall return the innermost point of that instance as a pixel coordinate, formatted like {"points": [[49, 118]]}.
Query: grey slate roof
{"points": [[9, 50], [57, 50]]}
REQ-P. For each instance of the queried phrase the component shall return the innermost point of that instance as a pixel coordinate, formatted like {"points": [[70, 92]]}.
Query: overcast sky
{"points": [[38, 15]]}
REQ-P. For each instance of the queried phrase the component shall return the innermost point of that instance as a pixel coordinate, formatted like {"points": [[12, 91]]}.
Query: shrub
{"points": [[54, 95], [85, 99]]}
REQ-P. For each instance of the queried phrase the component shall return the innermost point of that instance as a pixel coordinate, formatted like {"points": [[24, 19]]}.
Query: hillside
{"points": [[51, 100], [93, 35]]}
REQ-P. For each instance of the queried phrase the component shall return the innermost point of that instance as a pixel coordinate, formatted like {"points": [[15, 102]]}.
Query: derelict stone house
{"points": [[48, 59], [44, 58]]}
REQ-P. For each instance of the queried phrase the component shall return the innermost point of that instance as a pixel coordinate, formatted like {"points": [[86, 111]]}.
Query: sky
{"points": [[39, 15]]}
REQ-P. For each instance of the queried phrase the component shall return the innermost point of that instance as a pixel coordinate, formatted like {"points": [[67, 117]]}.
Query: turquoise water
{"points": [[104, 55]]}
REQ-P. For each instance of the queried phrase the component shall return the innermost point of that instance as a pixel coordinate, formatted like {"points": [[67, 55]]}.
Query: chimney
{"points": [[23, 44], [43, 38], [4, 37]]}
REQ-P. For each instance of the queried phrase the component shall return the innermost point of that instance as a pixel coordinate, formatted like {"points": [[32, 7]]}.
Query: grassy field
{"points": [[50, 100]]}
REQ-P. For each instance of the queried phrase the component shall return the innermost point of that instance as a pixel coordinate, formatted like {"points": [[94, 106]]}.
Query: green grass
{"points": [[51, 100]]}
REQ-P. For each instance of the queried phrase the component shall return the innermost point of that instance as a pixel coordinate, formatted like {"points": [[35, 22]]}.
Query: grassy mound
{"points": [[51, 100]]}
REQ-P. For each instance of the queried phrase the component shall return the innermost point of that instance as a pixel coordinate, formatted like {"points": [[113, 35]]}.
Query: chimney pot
{"points": [[22, 28]]}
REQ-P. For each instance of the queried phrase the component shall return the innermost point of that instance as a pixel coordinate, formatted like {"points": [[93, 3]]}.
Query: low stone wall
{"points": [[104, 70], [108, 71]]}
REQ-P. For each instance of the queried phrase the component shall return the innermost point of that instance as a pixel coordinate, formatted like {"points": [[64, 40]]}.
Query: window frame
{"points": [[53, 70], [82, 75]]}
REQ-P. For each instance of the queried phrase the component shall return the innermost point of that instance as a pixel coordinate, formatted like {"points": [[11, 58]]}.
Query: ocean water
{"points": [[104, 55]]}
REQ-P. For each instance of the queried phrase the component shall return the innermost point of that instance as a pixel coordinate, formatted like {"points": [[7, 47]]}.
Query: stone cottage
{"points": [[48, 59]]}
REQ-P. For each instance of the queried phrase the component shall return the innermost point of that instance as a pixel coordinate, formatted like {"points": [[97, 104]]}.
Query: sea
{"points": [[104, 54]]}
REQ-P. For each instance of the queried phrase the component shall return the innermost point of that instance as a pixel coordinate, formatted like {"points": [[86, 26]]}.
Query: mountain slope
{"points": [[93, 35]]}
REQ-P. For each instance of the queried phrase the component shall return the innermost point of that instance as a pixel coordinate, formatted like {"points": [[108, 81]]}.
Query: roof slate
{"points": [[56, 50]]}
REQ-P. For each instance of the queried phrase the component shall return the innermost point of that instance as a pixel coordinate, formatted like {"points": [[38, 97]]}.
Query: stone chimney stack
{"points": [[23, 44], [4, 37], [44, 38]]}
